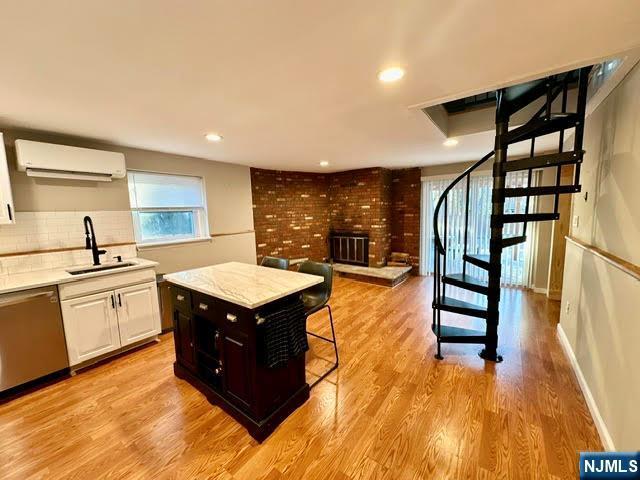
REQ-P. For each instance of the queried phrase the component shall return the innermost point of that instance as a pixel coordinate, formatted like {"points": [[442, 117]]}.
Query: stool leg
{"points": [[335, 347], [333, 334]]}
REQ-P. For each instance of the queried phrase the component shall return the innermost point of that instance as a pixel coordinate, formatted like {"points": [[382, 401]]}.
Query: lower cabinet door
{"points": [[237, 368], [183, 336], [90, 326], [138, 312]]}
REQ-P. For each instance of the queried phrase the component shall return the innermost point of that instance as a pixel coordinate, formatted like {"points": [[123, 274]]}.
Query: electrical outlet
{"points": [[576, 221], [567, 307]]}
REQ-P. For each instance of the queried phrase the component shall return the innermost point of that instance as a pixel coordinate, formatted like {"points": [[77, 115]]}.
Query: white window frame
{"points": [[200, 215]]}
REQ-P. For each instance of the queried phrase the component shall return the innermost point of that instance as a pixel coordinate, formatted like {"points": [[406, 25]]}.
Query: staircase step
{"points": [[536, 191], [511, 241], [543, 161], [541, 126], [478, 260], [449, 334], [459, 306], [467, 282], [527, 217]]}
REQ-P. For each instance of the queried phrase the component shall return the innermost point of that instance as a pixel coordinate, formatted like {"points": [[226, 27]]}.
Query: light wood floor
{"points": [[391, 410]]}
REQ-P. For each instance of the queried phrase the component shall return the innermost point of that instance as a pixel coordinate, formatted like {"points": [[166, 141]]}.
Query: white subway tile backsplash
{"points": [[50, 260], [35, 231], [46, 230]]}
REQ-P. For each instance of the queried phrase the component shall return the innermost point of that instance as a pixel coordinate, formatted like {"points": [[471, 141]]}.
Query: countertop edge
{"points": [[235, 301], [67, 278]]}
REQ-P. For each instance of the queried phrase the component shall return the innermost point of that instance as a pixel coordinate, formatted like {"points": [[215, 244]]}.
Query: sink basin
{"points": [[100, 268]]}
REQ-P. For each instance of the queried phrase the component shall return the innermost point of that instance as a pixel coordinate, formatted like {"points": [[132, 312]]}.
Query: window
{"points": [[515, 263], [167, 208]]}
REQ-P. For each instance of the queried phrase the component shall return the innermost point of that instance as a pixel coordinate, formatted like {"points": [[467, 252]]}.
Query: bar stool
{"points": [[315, 298], [275, 262]]}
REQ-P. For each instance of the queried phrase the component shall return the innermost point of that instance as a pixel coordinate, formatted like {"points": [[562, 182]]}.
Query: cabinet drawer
{"points": [[203, 305], [233, 317], [181, 299]]}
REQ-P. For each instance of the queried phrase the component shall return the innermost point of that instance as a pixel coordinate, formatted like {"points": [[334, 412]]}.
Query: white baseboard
{"points": [[606, 439], [539, 290]]}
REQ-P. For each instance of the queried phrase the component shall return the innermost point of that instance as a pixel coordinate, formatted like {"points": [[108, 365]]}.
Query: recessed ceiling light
{"points": [[450, 142], [324, 163], [213, 137], [392, 74]]}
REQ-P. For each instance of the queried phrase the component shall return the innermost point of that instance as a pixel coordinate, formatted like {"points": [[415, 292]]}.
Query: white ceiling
{"points": [[287, 83]]}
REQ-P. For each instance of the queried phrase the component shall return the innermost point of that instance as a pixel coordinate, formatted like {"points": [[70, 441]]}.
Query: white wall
{"points": [[228, 190], [600, 311]]}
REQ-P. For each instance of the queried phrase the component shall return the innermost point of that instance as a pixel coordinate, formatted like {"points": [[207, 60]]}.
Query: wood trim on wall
{"points": [[225, 234], [621, 264], [57, 250]]}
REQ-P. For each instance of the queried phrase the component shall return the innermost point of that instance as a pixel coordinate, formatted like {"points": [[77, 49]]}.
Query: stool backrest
{"points": [[324, 270], [275, 262]]}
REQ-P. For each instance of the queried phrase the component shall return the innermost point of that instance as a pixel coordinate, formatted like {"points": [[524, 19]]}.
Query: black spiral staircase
{"points": [[551, 117]]}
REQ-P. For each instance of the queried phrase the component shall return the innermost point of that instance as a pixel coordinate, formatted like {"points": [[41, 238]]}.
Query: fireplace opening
{"points": [[349, 247]]}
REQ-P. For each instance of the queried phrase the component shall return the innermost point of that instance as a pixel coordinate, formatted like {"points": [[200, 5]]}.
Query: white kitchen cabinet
{"points": [[90, 326], [138, 312], [7, 214], [107, 313]]}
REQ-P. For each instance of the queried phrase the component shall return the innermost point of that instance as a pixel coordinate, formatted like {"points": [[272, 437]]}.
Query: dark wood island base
{"points": [[258, 429], [219, 331]]}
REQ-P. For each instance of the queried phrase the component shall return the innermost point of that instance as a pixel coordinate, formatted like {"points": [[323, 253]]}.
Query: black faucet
{"points": [[91, 243]]}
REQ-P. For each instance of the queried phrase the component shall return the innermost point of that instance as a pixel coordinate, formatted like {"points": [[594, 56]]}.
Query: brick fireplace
{"points": [[296, 212]]}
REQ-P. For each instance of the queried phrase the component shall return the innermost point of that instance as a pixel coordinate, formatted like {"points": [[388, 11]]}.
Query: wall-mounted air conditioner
{"points": [[49, 160]]}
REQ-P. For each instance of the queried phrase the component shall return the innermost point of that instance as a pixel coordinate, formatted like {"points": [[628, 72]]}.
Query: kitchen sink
{"points": [[100, 268]]}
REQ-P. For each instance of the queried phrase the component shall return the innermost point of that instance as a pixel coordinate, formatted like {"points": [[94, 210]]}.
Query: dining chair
{"points": [[275, 262]]}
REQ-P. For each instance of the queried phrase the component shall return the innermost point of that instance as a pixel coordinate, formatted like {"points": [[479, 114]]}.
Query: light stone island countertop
{"points": [[15, 282], [250, 286]]}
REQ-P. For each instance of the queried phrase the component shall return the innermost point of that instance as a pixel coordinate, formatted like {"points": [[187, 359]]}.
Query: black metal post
{"points": [[529, 177], [495, 249], [583, 85], [435, 279], [466, 226], [446, 243], [556, 200]]}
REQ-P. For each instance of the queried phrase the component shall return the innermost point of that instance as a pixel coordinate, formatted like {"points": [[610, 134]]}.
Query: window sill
{"points": [[172, 243]]}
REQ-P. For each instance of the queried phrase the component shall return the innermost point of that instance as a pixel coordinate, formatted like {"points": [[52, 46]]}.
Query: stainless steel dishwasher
{"points": [[32, 342]]}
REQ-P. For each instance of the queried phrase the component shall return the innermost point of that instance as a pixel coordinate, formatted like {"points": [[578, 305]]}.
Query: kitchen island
{"points": [[218, 314]]}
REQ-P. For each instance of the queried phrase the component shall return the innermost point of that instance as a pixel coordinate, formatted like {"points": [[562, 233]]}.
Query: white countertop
{"points": [[250, 286], [42, 278]]}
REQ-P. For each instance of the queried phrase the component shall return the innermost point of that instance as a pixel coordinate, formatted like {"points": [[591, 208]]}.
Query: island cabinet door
{"points": [[237, 368], [183, 337]]}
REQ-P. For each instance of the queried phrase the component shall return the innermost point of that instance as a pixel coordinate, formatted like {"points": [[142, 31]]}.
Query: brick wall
{"points": [[290, 214], [294, 212], [360, 201], [405, 212]]}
